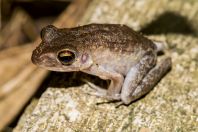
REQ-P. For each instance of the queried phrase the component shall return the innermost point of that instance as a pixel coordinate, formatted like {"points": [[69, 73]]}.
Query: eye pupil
{"points": [[66, 57]]}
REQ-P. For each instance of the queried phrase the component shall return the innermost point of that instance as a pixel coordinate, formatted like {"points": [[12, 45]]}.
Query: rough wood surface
{"points": [[170, 106], [14, 76], [19, 28]]}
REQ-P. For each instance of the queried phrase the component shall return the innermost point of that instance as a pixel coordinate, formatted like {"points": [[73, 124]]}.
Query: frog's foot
{"points": [[105, 95], [100, 92], [95, 87]]}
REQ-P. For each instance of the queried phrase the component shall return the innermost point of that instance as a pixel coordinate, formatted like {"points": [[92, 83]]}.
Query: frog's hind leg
{"points": [[150, 80]]}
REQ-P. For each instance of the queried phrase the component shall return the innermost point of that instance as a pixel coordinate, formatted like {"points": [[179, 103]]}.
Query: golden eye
{"points": [[66, 57]]}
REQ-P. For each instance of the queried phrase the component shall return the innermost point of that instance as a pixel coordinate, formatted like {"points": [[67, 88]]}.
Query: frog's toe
{"points": [[102, 94], [95, 87]]}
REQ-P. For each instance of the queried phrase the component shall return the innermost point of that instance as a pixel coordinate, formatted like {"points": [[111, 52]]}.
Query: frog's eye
{"points": [[66, 57]]}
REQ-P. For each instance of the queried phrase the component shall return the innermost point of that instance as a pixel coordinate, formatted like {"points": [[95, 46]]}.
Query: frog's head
{"points": [[57, 51]]}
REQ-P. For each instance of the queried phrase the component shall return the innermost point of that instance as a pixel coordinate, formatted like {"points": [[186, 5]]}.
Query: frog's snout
{"points": [[34, 57], [43, 59]]}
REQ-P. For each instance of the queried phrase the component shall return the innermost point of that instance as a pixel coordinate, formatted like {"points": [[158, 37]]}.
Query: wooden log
{"points": [[16, 32]]}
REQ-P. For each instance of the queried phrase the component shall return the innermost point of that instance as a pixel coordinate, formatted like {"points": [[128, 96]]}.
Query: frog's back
{"points": [[116, 37]]}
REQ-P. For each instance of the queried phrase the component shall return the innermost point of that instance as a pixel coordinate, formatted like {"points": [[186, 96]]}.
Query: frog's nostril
{"points": [[36, 56]]}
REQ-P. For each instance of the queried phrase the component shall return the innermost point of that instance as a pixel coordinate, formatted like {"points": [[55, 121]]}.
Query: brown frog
{"points": [[110, 51]]}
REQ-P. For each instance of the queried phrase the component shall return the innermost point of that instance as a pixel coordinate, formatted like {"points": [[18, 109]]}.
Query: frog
{"points": [[113, 52]]}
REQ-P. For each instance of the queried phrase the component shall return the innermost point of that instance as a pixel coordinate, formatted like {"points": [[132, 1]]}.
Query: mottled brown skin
{"points": [[110, 51]]}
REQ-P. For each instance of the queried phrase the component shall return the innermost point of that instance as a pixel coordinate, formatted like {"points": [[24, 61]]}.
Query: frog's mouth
{"points": [[59, 69]]}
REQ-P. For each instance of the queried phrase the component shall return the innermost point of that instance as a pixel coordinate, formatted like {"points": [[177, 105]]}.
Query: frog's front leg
{"points": [[147, 83], [114, 89]]}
